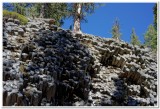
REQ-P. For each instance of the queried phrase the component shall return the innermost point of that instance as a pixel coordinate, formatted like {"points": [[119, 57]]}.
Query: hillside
{"points": [[45, 65]]}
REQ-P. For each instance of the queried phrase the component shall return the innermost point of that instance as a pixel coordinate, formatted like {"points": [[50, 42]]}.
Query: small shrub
{"points": [[23, 20]]}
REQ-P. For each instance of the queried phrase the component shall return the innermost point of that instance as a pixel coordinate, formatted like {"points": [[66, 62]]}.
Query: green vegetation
{"points": [[134, 38], [151, 38], [20, 8], [23, 20], [57, 11], [155, 16], [150, 35], [116, 30]]}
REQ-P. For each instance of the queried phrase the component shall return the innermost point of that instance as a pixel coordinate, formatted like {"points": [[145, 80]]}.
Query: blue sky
{"points": [[130, 15]]}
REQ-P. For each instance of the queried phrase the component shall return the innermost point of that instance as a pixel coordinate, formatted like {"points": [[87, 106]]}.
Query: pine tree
{"points": [[77, 17], [20, 7], [79, 11], [134, 38], [34, 10], [151, 34], [155, 16], [151, 37], [42, 10], [116, 30], [58, 11]]}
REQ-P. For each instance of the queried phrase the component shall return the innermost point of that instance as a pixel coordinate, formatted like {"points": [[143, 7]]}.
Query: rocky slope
{"points": [[44, 65]]}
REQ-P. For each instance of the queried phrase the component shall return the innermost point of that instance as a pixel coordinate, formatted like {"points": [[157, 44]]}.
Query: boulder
{"points": [[53, 27], [10, 20], [16, 21], [51, 22], [33, 25], [9, 29], [21, 31], [11, 24]]}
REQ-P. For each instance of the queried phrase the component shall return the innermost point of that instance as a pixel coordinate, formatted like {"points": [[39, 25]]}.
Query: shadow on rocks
{"points": [[55, 69], [128, 94], [119, 96]]}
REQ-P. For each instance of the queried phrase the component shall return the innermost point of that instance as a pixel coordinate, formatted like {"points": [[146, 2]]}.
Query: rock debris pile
{"points": [[44, 65]]}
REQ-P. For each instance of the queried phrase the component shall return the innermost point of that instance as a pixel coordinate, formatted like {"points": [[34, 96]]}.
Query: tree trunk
{"points": [[42, 11], [77, 18]]}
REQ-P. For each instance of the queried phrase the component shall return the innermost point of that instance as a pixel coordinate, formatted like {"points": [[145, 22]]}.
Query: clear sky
{"points": [[130, 15]]}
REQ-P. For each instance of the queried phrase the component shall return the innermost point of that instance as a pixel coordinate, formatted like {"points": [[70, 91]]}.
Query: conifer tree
{"points": [[151, 37], [134, 38], [78, 12], [155, 15], [116, 30]]}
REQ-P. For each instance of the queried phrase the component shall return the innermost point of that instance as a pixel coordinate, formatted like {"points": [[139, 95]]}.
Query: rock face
{"points": [[44, 65]]}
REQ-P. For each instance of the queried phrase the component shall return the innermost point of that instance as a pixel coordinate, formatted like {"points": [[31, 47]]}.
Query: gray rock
{"points": [[51, 89], [4, 97], [9, 29], [53, 27], [11, 98], [33, 25], [24, 56], [20, 99], [21, 31], [34, 29], [16, 21], [10, 20], [79, 103], [16, 33], [28, 29], [35, 99], [106, 102], [11, 24]]}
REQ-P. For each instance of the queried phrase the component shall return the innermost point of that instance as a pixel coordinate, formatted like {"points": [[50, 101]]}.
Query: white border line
{"points": [[102, 1], [1, 54]]}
